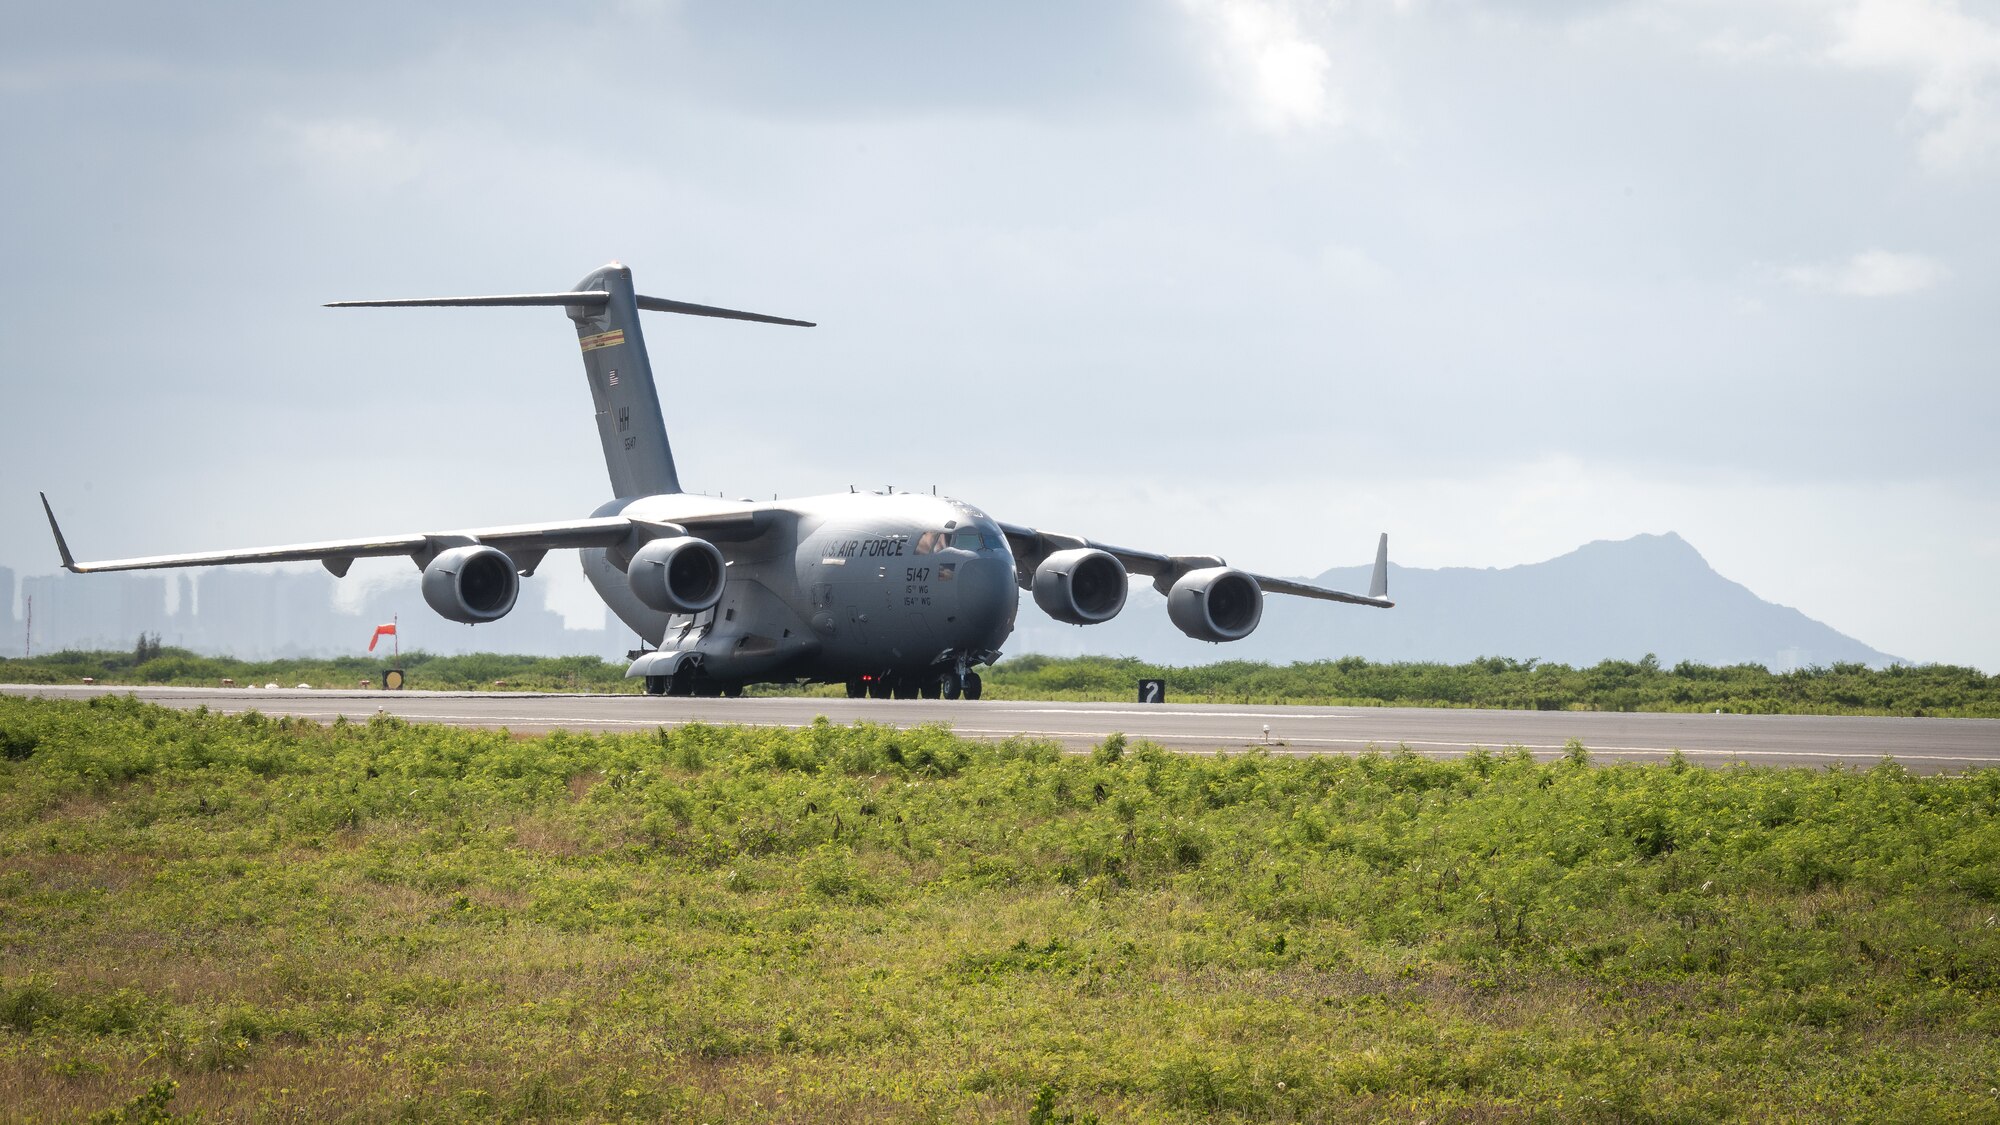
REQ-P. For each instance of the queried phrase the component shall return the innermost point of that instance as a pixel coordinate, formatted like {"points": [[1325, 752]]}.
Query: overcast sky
{"points": [[1251, 277]]}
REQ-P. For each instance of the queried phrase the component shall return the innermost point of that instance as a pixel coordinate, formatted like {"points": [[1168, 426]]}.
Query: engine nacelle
{"points": [[1219, 603], [681, 574], [471, 585], [1081, 587]]}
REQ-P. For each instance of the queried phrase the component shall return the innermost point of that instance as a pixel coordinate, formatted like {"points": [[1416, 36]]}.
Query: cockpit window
{"points": [[968, 538], [974, 538]]}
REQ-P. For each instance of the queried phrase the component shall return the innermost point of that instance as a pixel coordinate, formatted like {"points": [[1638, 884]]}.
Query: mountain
{"points": [[1605, 600]]}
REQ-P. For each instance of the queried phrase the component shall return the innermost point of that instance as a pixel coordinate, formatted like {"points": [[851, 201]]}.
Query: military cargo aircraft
{"points": [[892, 594]]}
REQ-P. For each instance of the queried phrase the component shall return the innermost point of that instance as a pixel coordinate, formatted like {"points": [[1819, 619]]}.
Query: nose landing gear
{"points": [[959, 683]]}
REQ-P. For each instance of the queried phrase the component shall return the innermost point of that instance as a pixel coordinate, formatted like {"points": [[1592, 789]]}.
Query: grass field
{"points": [[251, 919], [1612, 685]]}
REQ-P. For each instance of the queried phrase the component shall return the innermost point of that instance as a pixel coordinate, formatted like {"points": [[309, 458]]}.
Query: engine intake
{"points": [[471, 585], [681, 574], [1084, 586], [1218, 603]]}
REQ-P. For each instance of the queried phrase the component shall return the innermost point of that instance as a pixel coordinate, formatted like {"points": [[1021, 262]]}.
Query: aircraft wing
{"points": [[524, 543], [1031, 546]]}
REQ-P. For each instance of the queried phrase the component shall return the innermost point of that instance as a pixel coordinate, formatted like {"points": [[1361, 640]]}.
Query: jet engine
{"points": [[1081, 587], [471, 585], [1218, 603], [681, 574]]}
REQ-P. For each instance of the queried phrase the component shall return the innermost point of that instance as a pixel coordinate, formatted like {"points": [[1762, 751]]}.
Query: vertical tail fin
{"points": [[629, 422], [606, 312]]}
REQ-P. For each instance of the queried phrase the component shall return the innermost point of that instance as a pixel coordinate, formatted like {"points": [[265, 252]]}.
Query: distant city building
{"points": [[13, 636], [265, 615]]}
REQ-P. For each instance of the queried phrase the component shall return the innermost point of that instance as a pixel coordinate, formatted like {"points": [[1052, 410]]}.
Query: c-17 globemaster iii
{"points": [[889, 593]]}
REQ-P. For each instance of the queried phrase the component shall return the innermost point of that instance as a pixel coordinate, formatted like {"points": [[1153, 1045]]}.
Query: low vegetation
{"points": [[1500, 682], [238, 918], [181, 668], [1611, 685]]}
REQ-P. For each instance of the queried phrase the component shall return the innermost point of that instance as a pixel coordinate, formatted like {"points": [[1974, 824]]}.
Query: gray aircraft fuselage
{"points": [[832, 588]]}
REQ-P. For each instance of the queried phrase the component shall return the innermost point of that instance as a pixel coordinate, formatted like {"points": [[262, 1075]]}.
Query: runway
{"points": [[1921, 745]]}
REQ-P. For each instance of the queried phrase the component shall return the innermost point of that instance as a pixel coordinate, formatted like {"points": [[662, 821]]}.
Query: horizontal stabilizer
{"points": [[580, 298], [661, 304], [585, 299]]}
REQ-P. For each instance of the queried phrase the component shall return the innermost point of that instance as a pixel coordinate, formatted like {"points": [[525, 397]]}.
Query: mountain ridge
{"points": [[1607, 599]]}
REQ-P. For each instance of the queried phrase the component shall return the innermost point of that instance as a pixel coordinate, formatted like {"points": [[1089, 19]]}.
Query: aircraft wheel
{"points": [[878, 689], [931, 689], [951, 685], [682, 682], [905, 688], [972, 685], [733, 691], [656, 685], [857, 690]]}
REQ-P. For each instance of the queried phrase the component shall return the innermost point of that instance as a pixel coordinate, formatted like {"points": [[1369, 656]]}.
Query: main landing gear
{"points": [[688, 682], [870, 687], [950, 684]]}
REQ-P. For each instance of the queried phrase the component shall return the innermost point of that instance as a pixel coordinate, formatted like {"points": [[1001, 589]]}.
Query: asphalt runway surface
{"points": [[1921, 745]]}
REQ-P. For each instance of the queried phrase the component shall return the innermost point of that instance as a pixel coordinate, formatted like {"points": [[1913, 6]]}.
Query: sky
{"points": [[1257, 278]]}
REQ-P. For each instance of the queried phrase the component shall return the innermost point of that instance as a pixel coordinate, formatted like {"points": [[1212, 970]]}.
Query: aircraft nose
{"points": [[986, 602]]}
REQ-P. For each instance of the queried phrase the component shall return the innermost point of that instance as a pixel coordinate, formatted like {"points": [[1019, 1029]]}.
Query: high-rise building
{"points": [[13, 634]]}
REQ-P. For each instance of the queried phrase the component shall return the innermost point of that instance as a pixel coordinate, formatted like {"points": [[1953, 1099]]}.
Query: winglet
{"points": [[69, 561], [1378, 585]]}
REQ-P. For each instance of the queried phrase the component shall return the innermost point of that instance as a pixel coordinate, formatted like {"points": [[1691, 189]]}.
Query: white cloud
{"points": [[1738, 46], [1954, 59], [1872, 273], [1353, 269], [354, 150], [1277, 70]]}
